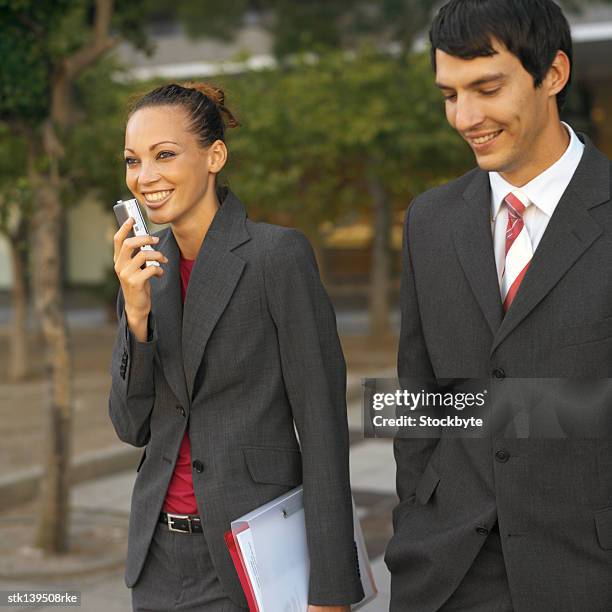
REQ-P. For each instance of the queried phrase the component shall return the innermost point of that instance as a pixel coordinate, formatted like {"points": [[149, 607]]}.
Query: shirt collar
{"points": [[546, 189]]}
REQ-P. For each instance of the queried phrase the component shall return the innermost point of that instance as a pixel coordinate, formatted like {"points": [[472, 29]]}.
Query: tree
{"points": [[46, 45], [343, 136], [322, 27], [15, 210]]}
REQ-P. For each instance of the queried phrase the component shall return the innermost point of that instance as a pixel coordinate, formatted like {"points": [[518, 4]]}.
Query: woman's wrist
{"points": [[138, 326]]}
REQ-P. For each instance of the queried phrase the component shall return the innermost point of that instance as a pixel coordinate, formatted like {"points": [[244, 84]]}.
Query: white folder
{"points": [[274, 555]]}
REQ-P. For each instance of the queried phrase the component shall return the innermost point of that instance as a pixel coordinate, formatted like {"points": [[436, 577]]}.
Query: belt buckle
{"points": [[178, 516]]}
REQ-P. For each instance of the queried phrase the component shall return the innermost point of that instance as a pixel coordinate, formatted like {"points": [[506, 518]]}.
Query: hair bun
{"points": [[213, 92], [217, 95]]}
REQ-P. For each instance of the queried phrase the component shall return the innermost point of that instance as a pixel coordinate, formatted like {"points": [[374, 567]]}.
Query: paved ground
{"points": [[372, 475], [23, 437]]}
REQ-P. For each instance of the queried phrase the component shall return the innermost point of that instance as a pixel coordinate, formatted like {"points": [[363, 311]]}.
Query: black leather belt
{"points": [[183, 523]]}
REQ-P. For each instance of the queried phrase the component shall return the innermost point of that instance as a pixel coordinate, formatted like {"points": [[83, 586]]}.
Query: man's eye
{"points": [[489, 92], [130, 161], [165, 154], [450, 97]]}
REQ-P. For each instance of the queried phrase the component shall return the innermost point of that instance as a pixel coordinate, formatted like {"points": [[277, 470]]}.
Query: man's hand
{"points": [[329, 608]]}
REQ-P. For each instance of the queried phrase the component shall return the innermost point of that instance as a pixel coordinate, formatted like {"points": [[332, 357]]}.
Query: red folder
{"points": [[236, 555]]}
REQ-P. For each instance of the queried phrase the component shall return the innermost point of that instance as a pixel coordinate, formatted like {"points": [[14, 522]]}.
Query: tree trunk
{"points": [[380, 271], [53, 519], [19, 368]]}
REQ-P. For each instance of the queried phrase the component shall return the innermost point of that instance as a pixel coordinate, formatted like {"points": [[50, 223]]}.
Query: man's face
{"points": [[493, 103]]}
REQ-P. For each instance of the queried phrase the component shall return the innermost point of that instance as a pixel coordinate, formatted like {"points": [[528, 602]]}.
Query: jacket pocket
{"points": [[603, 523], [427, 485], [274, 465], [594, 331]]}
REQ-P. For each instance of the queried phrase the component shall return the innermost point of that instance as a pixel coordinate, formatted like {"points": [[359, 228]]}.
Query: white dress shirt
{"points": [[544, 192]]}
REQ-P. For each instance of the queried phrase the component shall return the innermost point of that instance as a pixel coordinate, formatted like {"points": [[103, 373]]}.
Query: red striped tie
{"points": [[518, 247]]}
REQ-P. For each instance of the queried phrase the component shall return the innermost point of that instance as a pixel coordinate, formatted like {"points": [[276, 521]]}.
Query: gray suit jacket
{"points": [[552, 498], [254, 350]]}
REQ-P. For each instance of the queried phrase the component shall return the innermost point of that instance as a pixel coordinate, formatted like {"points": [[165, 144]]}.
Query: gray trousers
{"points": [[178, 574], [485, 586]]}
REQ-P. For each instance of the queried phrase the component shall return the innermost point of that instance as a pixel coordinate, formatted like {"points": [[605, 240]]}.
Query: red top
{"points": [[180, 497]]}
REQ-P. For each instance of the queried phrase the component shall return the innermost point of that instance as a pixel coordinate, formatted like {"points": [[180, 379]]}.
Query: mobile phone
{"points": [[130, 208]]}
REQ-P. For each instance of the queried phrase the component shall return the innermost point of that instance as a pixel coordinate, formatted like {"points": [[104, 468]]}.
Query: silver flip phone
{"points": [[130, 208]]}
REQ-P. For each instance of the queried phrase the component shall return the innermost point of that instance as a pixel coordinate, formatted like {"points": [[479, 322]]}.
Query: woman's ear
{"points": [[217, 156]]}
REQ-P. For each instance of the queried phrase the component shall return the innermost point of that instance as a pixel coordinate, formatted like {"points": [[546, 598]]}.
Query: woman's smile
{"points": [[155, 199]]}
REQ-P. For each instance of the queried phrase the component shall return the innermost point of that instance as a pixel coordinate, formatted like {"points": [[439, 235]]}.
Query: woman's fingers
{"points": [[125, 252], [138, 261], [131, 270], [120, 235]]}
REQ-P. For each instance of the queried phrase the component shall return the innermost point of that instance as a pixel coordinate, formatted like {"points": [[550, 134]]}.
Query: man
{"points": [[507, 273]]}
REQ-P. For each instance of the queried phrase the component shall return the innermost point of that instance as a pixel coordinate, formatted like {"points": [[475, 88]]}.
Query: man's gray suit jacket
{"points": [[551, 497], [254, 350]]}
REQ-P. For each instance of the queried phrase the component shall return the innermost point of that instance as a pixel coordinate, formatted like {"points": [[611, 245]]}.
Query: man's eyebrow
{"points": [[154, 145], [483, 80]]}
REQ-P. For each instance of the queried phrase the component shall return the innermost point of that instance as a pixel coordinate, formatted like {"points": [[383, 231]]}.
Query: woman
{"points": [[220, 350]]}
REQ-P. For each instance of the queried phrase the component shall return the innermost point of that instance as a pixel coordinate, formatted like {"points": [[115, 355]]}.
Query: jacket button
{"points": [[180, 410], [198, 466], [502, 456], [483, 531], [499, 373]]}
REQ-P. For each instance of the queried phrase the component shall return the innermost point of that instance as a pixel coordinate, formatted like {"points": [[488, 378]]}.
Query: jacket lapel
{"points": [[168, 313], [570, 232], [473, 241], [213, 280]]}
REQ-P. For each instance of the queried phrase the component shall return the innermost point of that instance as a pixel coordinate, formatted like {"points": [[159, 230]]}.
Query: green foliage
{"points": [[313, 26], [26, 63], [36, 36], [316, 25], [313, 136], [93, 159], [211, 18], [15, 191]]}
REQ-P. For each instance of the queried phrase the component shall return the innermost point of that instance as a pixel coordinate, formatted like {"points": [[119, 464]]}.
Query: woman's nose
{"points": [[148, 174]]}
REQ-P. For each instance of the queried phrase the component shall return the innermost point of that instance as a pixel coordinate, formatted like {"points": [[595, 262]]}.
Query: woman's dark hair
{"points": [[204, 103], [532, 30]]}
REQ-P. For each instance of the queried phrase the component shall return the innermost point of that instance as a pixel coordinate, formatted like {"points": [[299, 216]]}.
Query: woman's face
{"points": [[167, 169]]}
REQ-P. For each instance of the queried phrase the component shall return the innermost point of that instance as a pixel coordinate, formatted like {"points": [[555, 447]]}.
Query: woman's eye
{"points": [[130, 161], [165, 154]]}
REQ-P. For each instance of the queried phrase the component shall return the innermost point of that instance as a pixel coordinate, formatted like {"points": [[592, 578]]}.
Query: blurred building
{"points": [[346, 255]]}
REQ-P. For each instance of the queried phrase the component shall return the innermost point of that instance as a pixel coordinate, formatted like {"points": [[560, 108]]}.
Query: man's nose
{"points": [[468, 114]]}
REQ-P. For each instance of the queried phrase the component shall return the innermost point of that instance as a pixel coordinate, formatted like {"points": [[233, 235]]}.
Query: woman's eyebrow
{"points": [[154, 145]]}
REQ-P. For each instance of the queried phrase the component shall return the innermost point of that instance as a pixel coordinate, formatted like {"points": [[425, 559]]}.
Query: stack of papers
{"points": [[270, 553]]}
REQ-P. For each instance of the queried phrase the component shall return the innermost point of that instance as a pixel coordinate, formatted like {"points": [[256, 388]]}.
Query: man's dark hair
{"points": [[532, 30]]}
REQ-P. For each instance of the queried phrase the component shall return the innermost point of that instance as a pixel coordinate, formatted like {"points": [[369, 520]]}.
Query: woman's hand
{"points": [[134, 280], [329, 608]]}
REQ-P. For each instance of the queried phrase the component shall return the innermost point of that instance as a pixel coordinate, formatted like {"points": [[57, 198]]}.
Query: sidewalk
{"points": [[372, 475], [91, 339], [24, 435]]}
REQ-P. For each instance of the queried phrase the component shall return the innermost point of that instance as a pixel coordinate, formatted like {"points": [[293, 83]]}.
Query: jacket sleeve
{"points": [[411, 454], [132, 383], [314, 375]]}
